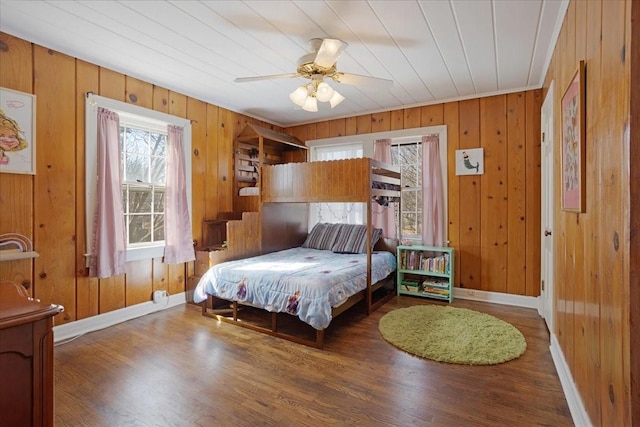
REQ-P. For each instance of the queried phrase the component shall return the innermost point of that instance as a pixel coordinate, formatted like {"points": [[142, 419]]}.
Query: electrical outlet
{"points": [[158, 296]]}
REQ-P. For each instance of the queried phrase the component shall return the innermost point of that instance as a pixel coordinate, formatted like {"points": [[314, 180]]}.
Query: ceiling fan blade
{"points": [[360, 80], [329, 52], [270, 77]]}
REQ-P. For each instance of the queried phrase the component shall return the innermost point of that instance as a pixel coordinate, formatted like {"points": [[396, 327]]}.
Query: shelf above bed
{"points": [[11, 255], [256, 147]]}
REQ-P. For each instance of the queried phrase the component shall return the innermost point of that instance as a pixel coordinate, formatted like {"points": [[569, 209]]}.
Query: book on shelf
{"points": [[436, 291], [411, 285], [435, 282], [411, 259]]}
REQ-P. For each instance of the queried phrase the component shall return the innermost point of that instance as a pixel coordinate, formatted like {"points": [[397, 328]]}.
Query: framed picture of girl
{"points": [[17, 132], [573, 143]]}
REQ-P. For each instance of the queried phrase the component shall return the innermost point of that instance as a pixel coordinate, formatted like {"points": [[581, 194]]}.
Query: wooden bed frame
{"points": [[286, 192]]}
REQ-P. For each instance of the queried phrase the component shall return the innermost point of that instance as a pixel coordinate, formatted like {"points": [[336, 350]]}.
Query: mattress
{"points": [[249, 191], [303, 282]]}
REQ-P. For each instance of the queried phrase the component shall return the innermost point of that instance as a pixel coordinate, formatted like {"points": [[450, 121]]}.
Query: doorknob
{"points": [[547, 233]]}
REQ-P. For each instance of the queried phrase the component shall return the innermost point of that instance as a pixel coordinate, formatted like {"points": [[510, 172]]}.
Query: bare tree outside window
{"points": [[144, 157], [409, 157]]}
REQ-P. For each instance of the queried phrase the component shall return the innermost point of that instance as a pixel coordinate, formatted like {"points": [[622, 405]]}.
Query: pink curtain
{"points": [[432, 192], [384, 216], [108, 252], [178, 235]]}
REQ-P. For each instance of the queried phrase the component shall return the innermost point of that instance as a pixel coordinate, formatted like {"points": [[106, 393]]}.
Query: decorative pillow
{"points": [[353, 239], [322, 236]]}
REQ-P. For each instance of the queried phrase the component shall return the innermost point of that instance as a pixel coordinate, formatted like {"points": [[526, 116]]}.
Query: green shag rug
{"points": [[452, 335]]}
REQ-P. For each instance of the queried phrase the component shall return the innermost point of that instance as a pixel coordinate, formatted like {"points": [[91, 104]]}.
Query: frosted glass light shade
{"points": [[310, 104], [336, 99], [324, 92], [299, 95]]}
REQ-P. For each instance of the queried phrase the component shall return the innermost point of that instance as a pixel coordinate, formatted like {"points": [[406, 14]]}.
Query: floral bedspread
{"points": [[299, 281]]}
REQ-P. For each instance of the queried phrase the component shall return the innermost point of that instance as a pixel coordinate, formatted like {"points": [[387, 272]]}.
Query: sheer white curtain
{"points": [[108, 251], [345, 213], [432, 192], [178, 235], [384, 217]]}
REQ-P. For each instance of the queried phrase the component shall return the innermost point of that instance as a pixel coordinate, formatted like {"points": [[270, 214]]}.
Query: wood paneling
{"points": [[87, 303], [431, 115], [592, 268], [50, 206], [380, 122], [197, 112], [516, 193], [493, 195], [54, 189], [452, 120], [469, 250], [533, 147], [337, 127], [611, 176], [139, 277], [412, 117], [632, 140], [213, 187], [224, 145], [16, 72]]}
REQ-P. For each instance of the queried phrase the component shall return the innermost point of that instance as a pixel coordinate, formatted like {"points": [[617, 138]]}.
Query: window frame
{"points": [[131, 112], [398, 142]]}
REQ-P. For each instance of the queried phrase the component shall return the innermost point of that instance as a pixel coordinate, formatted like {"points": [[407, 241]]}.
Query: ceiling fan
{"points": [[317, 65]]}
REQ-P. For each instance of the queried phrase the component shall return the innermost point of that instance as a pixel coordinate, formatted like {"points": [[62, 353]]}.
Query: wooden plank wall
{"points": [[49, 206], [494, 219], [592, 269]]}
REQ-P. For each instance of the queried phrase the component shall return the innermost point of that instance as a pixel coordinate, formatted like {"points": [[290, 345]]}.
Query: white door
{"points": [[546, 262]]}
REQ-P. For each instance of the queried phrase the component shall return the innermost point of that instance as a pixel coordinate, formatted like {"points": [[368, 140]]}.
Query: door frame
{"points": [[547, 187]]}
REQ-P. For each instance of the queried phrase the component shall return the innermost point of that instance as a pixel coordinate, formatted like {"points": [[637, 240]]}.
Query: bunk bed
{"points": [[254, 147], [286, 192]]}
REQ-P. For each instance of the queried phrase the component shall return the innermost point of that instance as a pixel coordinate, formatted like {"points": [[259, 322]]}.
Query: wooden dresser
{"points": [[26, 358]]}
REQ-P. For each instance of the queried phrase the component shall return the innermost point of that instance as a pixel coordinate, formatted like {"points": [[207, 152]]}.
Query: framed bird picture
{"points": [[470, 161]]}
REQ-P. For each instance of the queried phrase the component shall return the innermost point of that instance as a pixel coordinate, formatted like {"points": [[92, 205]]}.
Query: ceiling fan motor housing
{"points": [[307, 67]]}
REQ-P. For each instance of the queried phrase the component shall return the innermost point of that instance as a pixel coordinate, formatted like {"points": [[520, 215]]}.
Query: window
{"points": [[143, 168], [143, 143], [408, 156], [406, 152], [351, 213]]}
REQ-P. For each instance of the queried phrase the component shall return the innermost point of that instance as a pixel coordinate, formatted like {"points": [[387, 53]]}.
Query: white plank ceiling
{"points": [[434, 51]]}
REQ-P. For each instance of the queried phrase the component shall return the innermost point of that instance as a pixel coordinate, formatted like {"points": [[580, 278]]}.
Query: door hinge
{"points": [[542, 136], [542, 283]]}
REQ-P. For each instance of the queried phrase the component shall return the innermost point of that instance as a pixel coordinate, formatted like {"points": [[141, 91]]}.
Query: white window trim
{"points": [[91, 159], [368, 141]]}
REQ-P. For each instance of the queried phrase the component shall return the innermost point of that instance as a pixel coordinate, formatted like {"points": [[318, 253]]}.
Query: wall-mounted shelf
{"points": [[14, 254]]}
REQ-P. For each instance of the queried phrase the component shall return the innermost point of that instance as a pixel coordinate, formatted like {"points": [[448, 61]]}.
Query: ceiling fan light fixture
{"points": [[310, 104], [299, 96], [328, 52], [336, 99], [324, 92]]}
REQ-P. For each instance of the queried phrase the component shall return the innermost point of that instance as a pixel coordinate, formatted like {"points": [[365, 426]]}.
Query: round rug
{"points": [[452, 335]]}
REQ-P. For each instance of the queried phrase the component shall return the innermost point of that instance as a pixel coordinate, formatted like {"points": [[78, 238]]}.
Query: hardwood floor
{"points": [[178, 368]]}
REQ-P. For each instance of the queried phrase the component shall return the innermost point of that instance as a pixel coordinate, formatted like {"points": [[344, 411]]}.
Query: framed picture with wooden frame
{"points": [[573, 143], [17, 132]]}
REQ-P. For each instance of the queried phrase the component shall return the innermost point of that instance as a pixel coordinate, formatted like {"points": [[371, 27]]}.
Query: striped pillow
{"points": [[353, 239], [322, 236]]}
